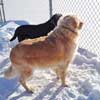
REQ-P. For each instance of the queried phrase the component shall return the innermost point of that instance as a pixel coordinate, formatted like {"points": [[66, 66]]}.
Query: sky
{"points": [[33, 11]]}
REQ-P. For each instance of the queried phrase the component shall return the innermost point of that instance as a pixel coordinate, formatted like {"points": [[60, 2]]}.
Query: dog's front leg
{"points": [[56, 70], [62, 74]]}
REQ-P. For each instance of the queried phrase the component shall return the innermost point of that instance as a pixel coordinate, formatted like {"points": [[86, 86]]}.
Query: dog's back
{"points": [[34, 31]]}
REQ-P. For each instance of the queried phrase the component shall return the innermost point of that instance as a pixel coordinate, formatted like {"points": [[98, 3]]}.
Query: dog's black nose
{"points": [[80, 25]]}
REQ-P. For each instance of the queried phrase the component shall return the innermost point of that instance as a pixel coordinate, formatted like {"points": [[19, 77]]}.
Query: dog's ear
{"points": [[70, 21], [66, 17]]}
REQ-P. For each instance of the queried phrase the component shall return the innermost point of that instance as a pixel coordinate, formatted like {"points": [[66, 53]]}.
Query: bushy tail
{"points": [[10, 73], [14, 37]]}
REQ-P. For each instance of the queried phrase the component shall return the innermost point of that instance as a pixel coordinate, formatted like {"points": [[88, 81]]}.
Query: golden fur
{"points": [[54, 51]]}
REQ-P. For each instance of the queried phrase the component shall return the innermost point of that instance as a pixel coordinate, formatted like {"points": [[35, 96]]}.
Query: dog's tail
{"points": [[10, 73], [14, 37]]}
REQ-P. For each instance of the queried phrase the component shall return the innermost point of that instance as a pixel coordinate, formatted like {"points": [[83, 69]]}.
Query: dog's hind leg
{"points": [[24, 75]]}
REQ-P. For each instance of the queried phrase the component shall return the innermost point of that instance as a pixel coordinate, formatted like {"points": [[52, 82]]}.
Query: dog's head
{"points": [[71, 22], [54, 19]]}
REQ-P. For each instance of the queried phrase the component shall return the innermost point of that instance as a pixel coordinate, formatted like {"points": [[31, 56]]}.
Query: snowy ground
{"points": [[83, 75]]}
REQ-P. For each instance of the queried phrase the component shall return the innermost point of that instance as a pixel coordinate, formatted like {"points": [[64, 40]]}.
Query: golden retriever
{"points": [[54, 51]]}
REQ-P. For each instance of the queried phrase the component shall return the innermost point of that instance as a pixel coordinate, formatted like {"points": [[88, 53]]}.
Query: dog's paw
{"points": [[30, 88], [30, 91], [65, 85]]}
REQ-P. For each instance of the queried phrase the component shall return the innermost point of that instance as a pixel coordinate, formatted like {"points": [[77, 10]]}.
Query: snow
{"points": [[83, 75]]}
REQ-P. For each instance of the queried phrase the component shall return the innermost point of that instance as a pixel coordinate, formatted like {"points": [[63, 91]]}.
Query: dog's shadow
{"points": [[45, 92], [7, 87], [21, 95]]}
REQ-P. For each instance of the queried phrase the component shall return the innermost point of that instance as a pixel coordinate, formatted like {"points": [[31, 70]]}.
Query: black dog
{"points": [[33, 31]]}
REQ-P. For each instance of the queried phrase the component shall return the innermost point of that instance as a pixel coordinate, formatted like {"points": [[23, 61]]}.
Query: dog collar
{"points": [[73, 31]]}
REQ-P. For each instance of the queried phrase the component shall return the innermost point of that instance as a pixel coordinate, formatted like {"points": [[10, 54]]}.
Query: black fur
{"points": [[33, 31]]}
